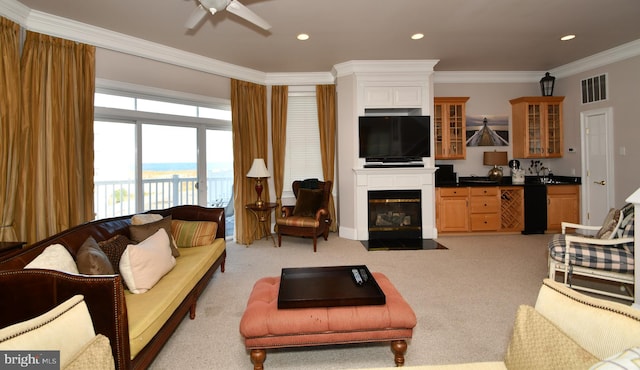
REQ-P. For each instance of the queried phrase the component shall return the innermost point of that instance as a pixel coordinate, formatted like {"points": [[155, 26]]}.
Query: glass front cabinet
{"points": [[537, 127], [449, 123]]}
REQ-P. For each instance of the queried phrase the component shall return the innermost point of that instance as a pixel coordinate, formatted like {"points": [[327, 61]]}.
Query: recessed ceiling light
{"points": [[568, 37], [303, 37], [417, 36]]}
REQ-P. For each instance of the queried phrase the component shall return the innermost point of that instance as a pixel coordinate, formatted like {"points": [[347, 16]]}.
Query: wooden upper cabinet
{"points": [[449, 124], [537, 127]]}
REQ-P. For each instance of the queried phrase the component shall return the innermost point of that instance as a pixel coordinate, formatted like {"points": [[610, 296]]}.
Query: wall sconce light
{"points": [[546, 84], [258, 171], [495, 159]]}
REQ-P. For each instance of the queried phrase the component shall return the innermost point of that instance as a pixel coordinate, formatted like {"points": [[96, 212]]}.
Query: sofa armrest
{"points": [[29, 293]]}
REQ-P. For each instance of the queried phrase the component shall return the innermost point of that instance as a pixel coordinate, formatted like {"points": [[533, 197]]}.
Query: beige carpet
{"points": [[465, 299]]}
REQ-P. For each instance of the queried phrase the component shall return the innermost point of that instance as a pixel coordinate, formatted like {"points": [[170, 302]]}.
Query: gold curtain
{"points": [[249, 127], [10, 137], [326, 100], [279, 98], [56, 188]]}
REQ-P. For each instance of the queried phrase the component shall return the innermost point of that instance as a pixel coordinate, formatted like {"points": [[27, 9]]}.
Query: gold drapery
{"points": [[326, 100], [10, 133], [249, 127], [56, 188], [279, 99]]}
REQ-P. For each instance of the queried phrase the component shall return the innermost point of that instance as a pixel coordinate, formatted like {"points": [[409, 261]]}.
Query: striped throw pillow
{"points": [[193, 233]]}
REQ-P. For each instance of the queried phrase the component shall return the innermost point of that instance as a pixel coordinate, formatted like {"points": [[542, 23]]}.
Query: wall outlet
{"points": [[623, 150]]}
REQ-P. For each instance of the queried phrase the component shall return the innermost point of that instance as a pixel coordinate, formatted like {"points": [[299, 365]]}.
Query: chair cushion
{"points": [[298, 221], [609, 258], [308, 202]]}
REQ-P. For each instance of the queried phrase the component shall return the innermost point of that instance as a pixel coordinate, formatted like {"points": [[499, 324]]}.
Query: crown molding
{"points": [[301, 78], [384, 66], [613, 55], [14, 11], [463, 77]]}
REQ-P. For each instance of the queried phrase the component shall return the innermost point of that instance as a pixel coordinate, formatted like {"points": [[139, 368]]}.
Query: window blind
{"points": [[302, 158]]}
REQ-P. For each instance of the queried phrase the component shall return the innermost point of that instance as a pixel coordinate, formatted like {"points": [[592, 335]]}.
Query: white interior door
{"points": [[597, 159]]}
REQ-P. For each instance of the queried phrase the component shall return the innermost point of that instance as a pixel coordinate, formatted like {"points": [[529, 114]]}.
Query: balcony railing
{"points": [[118, 198]]}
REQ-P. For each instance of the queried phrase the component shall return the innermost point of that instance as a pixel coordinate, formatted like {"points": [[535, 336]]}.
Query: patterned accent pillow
{"points": [[193, 233], [610, 225], [113, 249], [141, 232], [536, 343], [92, 260]]}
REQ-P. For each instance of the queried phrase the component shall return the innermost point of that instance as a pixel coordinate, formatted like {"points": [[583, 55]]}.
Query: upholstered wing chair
{"points": [[310, 216]]}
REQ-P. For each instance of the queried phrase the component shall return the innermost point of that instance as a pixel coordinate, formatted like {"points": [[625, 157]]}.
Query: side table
{"points": [[262, 214]]}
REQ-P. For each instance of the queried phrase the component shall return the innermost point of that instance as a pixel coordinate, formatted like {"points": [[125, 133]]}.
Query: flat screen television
{"points": [[394, 138]]}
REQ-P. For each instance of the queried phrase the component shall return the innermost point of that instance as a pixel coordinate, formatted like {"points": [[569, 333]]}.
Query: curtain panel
{"points": [[326, 100], [249, 128], [279, 100], [10, 132], [56, 181]]}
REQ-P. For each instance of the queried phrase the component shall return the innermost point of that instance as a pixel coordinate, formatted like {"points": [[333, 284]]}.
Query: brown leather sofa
{"points": [[29, 293]]}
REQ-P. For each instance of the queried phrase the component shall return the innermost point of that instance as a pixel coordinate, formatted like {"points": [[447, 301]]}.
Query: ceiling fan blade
{"points": [[197, 15], [242, 11]]}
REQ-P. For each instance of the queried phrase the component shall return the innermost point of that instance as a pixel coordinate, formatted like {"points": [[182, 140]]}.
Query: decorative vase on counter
{"points": [[517, 176]]}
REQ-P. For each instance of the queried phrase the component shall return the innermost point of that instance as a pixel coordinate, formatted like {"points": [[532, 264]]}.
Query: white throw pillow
{"points": [[54, 257], [142, 265], [66, 328]]}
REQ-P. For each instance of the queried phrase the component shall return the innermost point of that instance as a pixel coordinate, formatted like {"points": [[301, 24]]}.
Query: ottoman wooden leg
{"points": [[258, 356], [399, 348]]}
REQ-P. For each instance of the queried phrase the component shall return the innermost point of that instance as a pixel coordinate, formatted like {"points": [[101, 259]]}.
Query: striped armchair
{"points": [[608, 255], [310, 216]]}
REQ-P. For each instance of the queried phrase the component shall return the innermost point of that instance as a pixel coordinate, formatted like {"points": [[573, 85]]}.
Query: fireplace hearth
{"points": [[395, 214]]}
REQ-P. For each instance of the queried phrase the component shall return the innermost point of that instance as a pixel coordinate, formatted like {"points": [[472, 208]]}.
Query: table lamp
{"points": [[495, 159], [258, 171]]}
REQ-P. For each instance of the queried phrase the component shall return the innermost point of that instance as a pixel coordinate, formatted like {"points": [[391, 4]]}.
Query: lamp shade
{"points": [[258, 169], [495, 159]]}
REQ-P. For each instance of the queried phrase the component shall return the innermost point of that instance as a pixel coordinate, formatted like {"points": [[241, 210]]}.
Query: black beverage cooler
{"points": [[535, 209]]}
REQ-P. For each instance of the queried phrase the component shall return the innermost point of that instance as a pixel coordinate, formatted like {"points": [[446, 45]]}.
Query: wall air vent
{"points": [[594, 89]]}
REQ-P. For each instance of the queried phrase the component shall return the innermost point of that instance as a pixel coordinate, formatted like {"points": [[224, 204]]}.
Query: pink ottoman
{"points": [[264, 326]]}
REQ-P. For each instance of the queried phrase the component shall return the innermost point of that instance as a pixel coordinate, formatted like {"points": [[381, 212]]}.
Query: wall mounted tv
{"points": [[394, 138]]}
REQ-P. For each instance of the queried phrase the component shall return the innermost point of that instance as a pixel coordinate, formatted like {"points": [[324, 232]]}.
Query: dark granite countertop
{"points": [[506, 181]]}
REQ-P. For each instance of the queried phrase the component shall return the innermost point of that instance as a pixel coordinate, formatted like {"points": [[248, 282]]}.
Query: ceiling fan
{"points": [[233, 6]]}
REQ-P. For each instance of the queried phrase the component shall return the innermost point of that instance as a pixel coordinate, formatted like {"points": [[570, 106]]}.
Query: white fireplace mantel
{"points": [[394, 178]]}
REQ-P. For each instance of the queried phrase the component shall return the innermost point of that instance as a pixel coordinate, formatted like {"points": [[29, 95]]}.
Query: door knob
{"points": [[600, 182]]}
